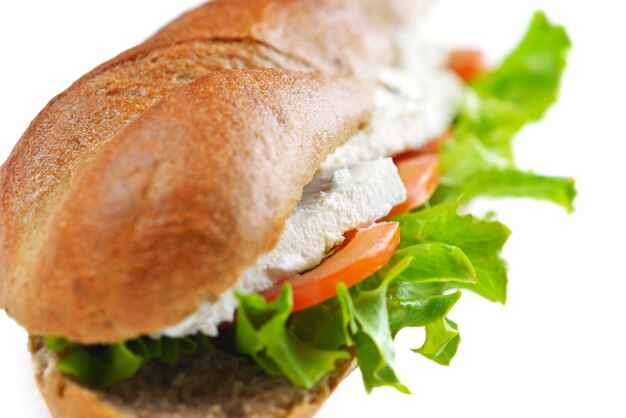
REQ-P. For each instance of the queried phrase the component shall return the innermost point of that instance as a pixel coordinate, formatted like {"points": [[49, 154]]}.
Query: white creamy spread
{"points": [[333, 203], [417, 101]]}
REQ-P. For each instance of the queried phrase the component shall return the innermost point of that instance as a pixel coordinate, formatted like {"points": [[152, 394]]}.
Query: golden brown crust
{"points": [[48, 260], [70, 130], [173, 208], [211, 384], [338, 38], [333, 36]]}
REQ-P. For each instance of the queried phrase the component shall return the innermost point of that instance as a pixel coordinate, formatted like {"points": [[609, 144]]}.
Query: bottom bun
{"points": [[208, 384]]}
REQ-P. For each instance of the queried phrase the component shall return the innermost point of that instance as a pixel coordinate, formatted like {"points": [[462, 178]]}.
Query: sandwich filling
{"points": [[333, 203], [418, 100]]}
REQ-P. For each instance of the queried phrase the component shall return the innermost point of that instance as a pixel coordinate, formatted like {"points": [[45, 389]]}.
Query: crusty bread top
{"points": [[180, 202], [156, 179], [206, 384], [326, 34]]}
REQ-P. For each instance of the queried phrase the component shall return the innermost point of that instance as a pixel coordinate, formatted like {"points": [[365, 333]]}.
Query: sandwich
{"points": [[228, 218]]}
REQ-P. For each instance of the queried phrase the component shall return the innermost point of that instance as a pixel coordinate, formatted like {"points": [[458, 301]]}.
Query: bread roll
{"points": [[156, 179], [206, 385]]}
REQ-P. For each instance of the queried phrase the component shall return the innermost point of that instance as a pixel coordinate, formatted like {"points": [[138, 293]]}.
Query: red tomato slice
{"points": [[420, 176], [432, 147], [368, 250], [467, 63]]}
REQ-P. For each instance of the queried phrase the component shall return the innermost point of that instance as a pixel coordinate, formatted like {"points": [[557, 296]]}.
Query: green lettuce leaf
{"points": [[442, 341], [375, 348], [408, 307], [374, 341], [480, 241], [478, 161], [262, 333], [56, 344], [101, 366], [116, 363], [434, 262], [530, 76], [514, 183]]}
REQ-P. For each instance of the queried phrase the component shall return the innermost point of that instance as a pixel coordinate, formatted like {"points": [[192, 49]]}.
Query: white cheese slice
{"points": [[333, 203]]}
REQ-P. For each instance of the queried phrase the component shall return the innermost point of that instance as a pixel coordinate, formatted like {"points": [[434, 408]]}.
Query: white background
{"points": [[558, 347]]}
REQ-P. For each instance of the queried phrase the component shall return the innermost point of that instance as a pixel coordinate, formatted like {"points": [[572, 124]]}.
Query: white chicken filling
{"points": [[418, 102], [333, 203]]}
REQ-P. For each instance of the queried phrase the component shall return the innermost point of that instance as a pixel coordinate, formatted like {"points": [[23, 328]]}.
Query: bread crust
{"points": [[328, 35], [97, 256], [173, 209], [265, 396]]}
